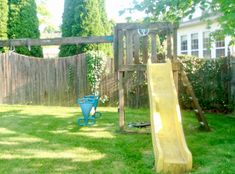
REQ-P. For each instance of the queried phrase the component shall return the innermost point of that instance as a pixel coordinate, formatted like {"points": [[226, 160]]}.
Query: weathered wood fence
{"points": [[36, 81], [233, 77]]}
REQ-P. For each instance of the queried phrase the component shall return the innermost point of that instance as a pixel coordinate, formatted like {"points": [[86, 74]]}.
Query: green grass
{"points": [[39, 139]]}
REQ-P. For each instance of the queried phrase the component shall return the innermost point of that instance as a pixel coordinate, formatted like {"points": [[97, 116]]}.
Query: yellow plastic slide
{"points": [[170, 149]]}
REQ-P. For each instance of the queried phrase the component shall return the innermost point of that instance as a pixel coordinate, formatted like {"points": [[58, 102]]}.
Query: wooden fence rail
{"points": [[56, 41], [25, 80]]}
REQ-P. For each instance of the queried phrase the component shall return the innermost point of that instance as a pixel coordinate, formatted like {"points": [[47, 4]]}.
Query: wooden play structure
{"points": [[131, 56], [170, 149]]}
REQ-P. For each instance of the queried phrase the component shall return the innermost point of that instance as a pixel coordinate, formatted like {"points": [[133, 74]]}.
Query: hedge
{"points": [[211, 79]]}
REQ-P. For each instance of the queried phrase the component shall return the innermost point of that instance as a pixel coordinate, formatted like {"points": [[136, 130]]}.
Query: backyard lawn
{"points": [[40, 139]]}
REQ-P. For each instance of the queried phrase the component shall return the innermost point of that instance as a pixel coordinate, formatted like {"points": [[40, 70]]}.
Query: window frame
{"points": [[194, 44], [220, 47], [206, 46]]}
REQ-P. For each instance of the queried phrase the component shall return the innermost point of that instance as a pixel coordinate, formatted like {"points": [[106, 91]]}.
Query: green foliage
{"points": [[23, 23], [42, 12], [70, 76], [3, 20], [210, 79], [96, 61], [174, 11], [84, 18]]}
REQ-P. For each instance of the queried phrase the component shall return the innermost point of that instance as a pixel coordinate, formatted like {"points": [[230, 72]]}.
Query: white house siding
{"points": [[191, 27]]}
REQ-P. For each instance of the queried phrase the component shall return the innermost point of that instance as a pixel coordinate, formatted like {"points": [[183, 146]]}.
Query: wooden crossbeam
{"points": [[56, 41], [133, 26]]}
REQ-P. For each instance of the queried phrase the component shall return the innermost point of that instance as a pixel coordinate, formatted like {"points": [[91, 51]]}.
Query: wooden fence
{"points": [[233, 77], [36, 81]]}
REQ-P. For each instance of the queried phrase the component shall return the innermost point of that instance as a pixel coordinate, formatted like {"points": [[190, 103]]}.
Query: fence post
{"points": [[233, 77]]}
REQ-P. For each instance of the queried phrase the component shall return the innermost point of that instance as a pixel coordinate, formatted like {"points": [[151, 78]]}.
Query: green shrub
{"points": [[210, 79], [96, 61]]}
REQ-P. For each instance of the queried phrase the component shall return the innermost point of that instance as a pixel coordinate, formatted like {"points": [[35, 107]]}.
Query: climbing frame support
{"points": [[198, 110], [133, 49]]}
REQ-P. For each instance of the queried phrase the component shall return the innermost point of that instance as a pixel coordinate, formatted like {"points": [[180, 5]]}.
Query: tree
{"points": [[23, 23], [3, 20], [175, 10], [83, 18], [42, 12]]}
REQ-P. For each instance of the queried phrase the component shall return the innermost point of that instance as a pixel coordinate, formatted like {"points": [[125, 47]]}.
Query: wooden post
{"points": [[154, 48], [169, 45], [189, 89], [129, 47], [232, 62], [115, 48], [120, 48], [145, 49], [176, 71], [175, 43], [136, 53], [121, 101]]}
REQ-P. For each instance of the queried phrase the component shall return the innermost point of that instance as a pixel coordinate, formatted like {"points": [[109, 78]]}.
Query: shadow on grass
{"points": [[51, 143]]}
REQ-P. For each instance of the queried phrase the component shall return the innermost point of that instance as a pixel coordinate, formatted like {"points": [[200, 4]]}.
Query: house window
{"points": [[184, 44], [206, 44], [194, 44], [220, 48]]}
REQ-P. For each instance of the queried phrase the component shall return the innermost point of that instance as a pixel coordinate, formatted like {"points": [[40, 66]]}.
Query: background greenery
{"points": [[175, 10], [3, 20], [23, 23], [84, 18], [211, 80], [96, 62]]}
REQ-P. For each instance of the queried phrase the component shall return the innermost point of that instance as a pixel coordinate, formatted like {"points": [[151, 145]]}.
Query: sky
{"points": [[112, 8]]}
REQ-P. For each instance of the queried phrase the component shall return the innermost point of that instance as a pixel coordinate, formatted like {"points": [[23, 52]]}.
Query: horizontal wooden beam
{"points": [[143, 67], [158, 25], [56, 41], [136, 67]]}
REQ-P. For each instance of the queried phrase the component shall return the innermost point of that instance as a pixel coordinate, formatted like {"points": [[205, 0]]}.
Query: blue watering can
{"points": [[86, 105], [95, 99]]}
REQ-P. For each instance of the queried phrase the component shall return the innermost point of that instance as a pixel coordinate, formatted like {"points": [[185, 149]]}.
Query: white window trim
{"points": [[192, 50], [184, 51], [206, 49]]}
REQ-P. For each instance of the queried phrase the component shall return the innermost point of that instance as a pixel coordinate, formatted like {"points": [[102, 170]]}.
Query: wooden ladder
{"points": [[197, 108]]}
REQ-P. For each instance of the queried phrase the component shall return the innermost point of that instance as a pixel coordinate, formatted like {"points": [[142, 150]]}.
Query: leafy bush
{"points": [[210, 79], [96, 61]]}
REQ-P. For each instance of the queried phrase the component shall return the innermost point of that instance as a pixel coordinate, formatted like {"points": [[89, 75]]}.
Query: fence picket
{"points": [[27, 80]]}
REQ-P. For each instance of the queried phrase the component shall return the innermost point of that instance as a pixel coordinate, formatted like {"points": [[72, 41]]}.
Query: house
{"points": [[193, 38]]}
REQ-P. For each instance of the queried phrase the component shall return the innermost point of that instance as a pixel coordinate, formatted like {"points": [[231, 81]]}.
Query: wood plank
{"points": [[169, 45], [232, 83], [153, 48], [158, 25], [129, 47], [1, 79], [121, 101], [145, 49], [175, 44], [136, 53], [115, 48], [56, 41], [138, 67], [189, 89], [120, 48]]}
